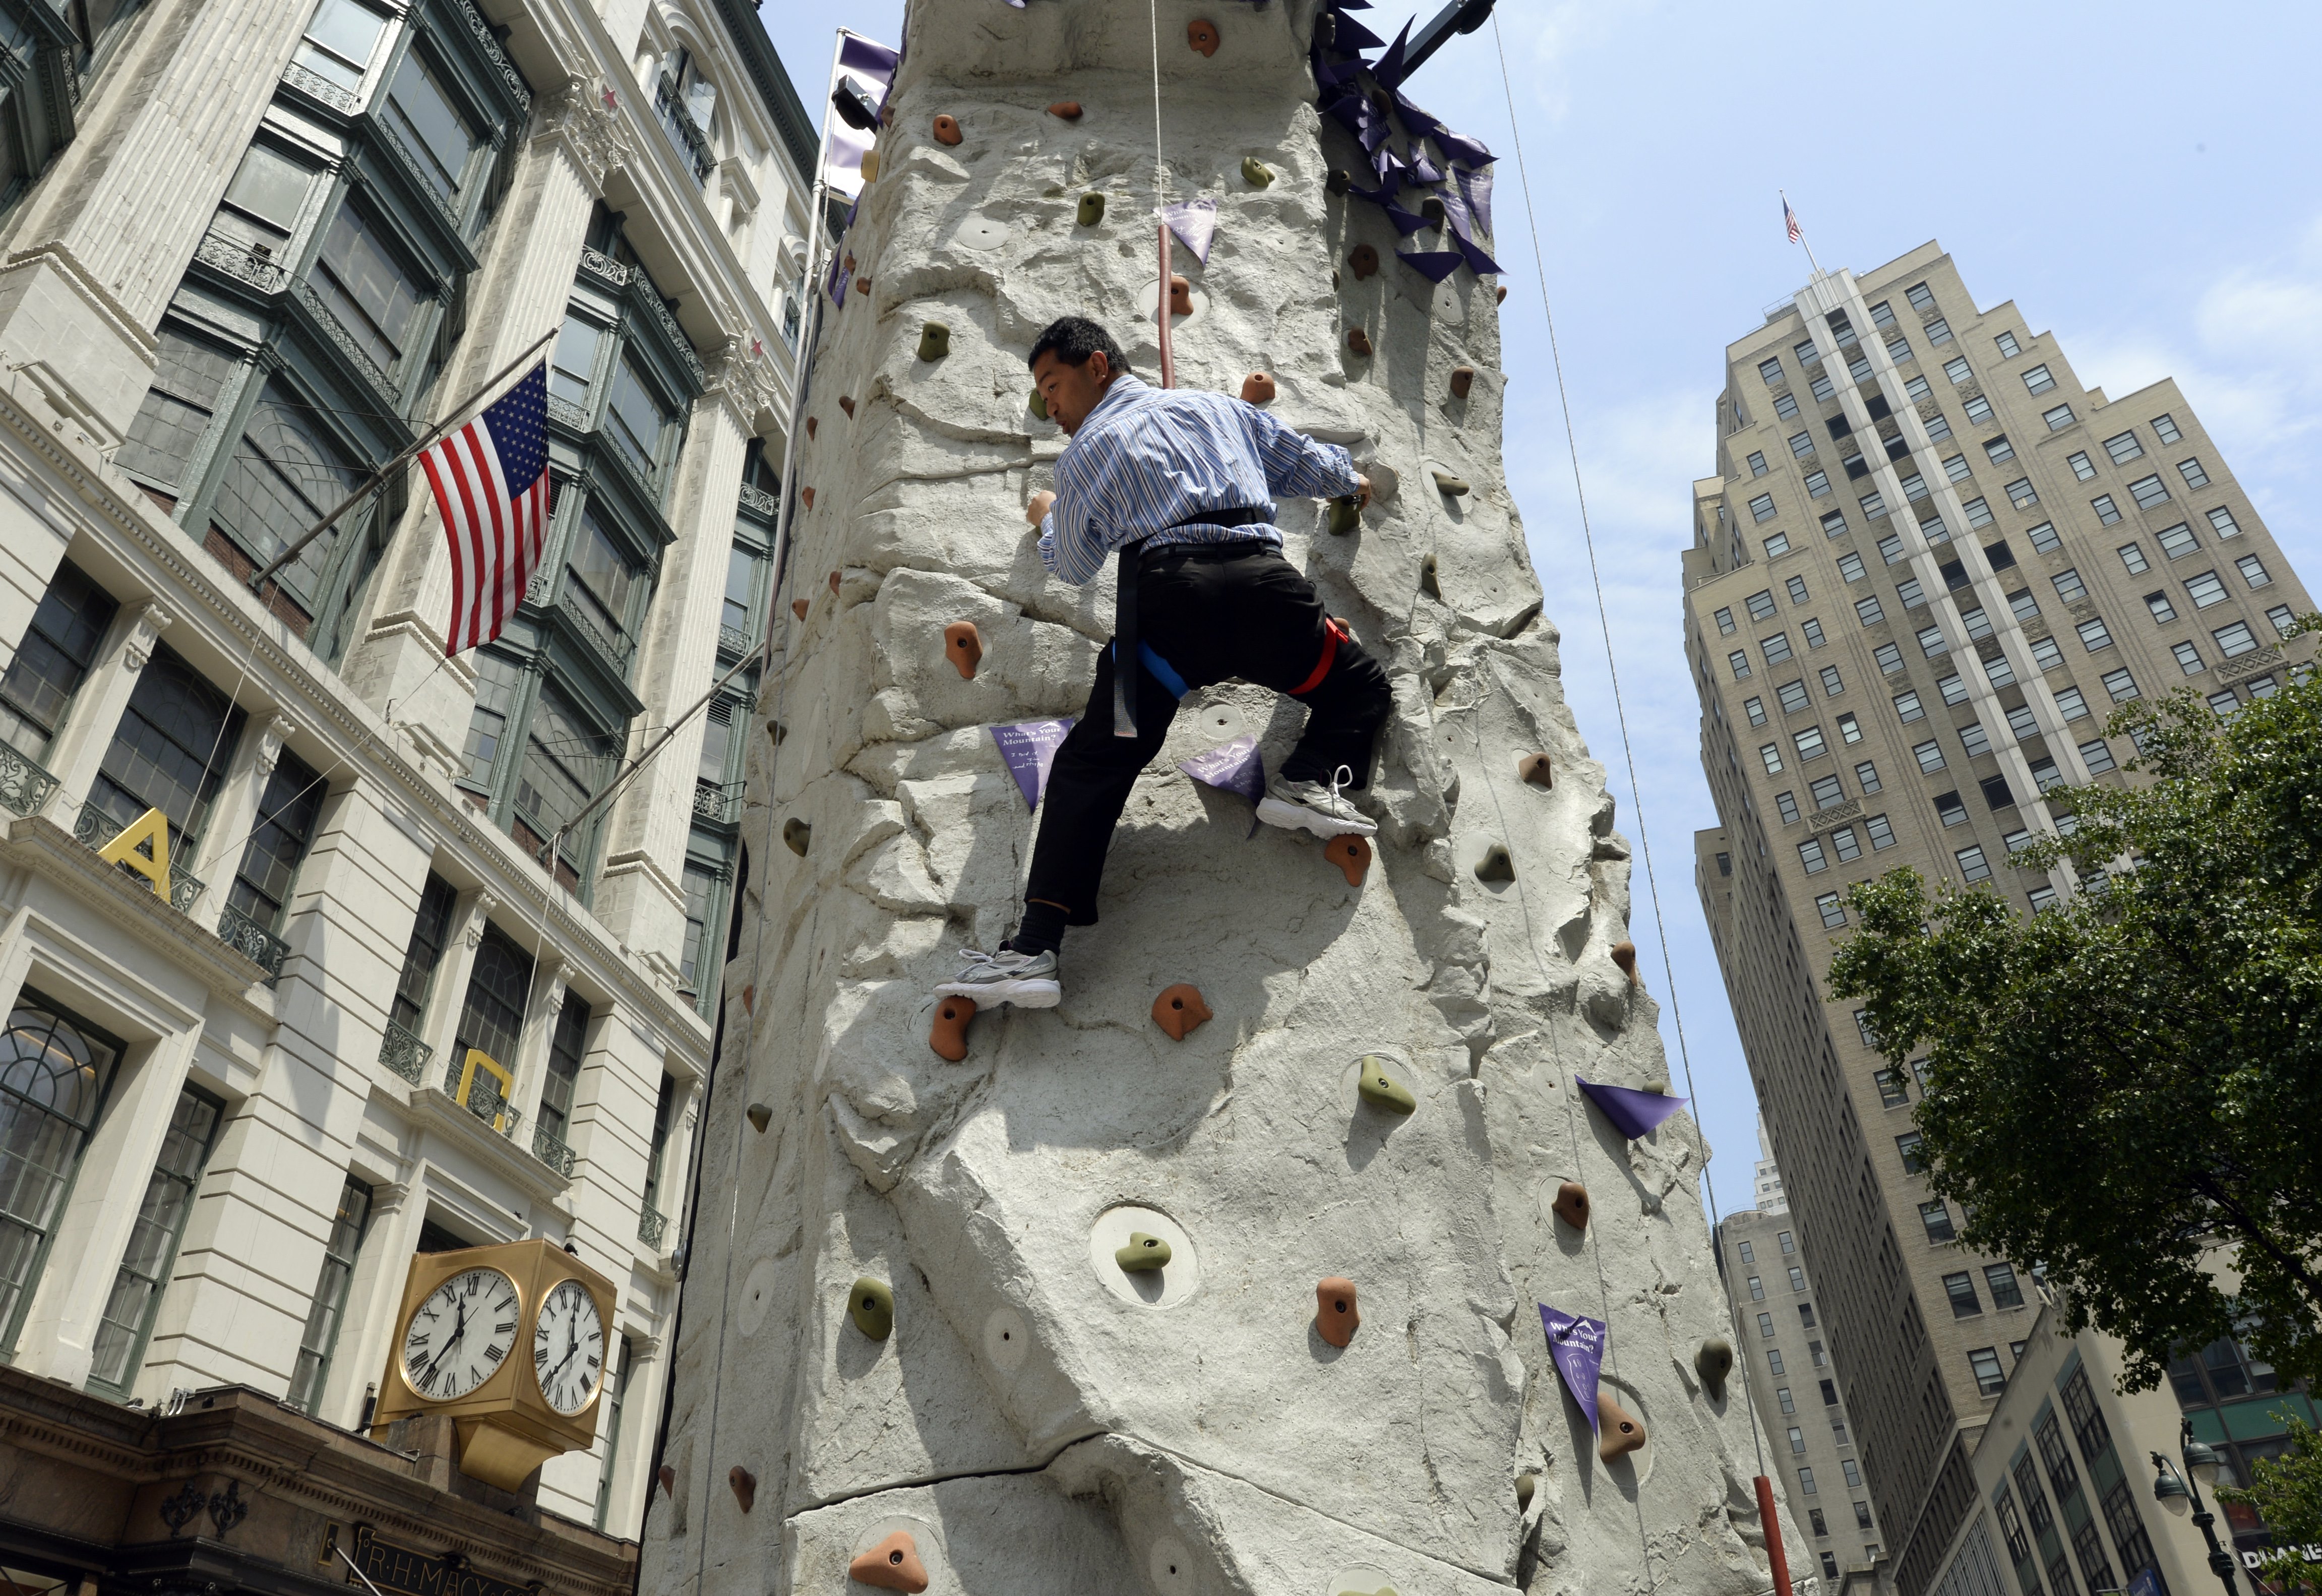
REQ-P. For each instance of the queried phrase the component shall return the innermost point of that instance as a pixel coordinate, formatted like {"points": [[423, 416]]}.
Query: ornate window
{"points": [[127, 1324], [54, 1073], [52, 660]]}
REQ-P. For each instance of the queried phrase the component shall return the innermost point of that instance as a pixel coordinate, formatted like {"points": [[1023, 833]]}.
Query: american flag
{"points": [[490, 477], [1790, 221]]}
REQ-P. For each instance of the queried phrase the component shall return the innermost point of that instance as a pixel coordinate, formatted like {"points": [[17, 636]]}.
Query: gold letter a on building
{"points": [[151, 830]]}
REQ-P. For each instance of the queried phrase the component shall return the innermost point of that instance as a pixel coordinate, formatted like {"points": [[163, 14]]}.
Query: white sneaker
{"points": [[1310, 805], [1029, 981]]}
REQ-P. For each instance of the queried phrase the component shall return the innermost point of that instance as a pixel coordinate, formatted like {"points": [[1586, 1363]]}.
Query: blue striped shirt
{"points": [[1147, 457]]}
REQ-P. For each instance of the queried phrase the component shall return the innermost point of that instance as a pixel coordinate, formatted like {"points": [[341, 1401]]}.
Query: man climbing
{"points": [[1180, 482]]}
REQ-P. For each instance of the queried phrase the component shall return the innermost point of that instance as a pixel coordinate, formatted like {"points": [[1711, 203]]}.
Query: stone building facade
{"points": [[1931, 564], [250, 253]]}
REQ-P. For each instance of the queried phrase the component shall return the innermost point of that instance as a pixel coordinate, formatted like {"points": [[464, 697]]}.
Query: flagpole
{"points": [[1801, 232], [459, 414]]}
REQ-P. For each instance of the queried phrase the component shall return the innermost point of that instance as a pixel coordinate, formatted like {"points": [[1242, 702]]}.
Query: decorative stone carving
{"points": [[578, 117], [145, 628]]}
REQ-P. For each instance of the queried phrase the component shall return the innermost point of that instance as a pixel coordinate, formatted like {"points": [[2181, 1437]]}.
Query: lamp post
{"points": [[2176, 1491]]}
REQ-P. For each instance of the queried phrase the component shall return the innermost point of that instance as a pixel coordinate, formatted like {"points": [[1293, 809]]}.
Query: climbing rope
{"points": [[1160, 196], [1628, 750]]}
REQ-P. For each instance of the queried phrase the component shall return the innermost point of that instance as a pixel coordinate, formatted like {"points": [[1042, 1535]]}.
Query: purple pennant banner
{"points": [[1434, 265], [1029, 748], [1230, 767], [1576, 1342], [1195, 223], [1633, 1113]]}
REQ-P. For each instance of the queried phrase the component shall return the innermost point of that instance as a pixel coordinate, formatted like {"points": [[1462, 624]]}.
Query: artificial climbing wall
{"points": [[1031, 1417]]}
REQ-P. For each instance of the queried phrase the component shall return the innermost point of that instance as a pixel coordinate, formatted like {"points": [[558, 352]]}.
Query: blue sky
{"points": [[2142, 179]]}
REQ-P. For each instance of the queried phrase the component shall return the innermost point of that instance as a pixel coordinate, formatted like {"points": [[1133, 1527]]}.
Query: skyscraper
{"points": [[1930, 565]]}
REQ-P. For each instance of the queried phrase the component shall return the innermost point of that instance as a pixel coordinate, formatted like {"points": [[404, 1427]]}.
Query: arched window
{"points": [[53, 1076]]}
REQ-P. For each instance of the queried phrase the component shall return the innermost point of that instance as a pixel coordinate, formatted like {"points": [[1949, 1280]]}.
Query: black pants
{"points": [[1213, 613]]}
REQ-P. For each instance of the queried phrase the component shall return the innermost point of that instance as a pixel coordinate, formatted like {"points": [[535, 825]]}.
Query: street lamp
{"points": [[2177, 1491]]}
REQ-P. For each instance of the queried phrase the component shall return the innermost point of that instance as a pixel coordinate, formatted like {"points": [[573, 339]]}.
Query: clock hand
{"points": [[459, 1328]]}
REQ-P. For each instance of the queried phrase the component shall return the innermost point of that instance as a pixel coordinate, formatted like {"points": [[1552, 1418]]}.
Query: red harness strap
{"points": [[1334, 633]]}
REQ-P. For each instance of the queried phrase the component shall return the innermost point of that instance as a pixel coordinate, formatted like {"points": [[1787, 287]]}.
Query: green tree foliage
{"points": [[2127, 1082], [2286, 1492]]}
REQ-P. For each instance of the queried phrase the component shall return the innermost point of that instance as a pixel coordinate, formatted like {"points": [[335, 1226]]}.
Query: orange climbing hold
{"points": [[1202, 35], [1617, 1434], [1571, 1204], [798, 608], [964, 646], [1625, 954], [1535, 769], [1070, 110], [1179, 1009], [1463, 377], [949, 1035], [807, 496], [1181, 296], [834, 581], [846, 405], [894, 1565], [668, 1480], [744, 1484], [1258, 389], [1336, 1317], [1364, 259], [810, 426], [1350, 853], [1358, 341], [947, 129], [1502, 297]]}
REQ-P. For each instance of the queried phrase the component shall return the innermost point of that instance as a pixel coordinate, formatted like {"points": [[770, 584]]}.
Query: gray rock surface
{"points": [[1039, 1420]]}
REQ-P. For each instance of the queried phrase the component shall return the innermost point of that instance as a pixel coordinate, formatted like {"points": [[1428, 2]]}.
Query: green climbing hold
{"points": [[1143, 1253], [1379, 1087], [1091, 209], [1256, 172], [1346, 515], [1038, 404], [934, 341], [872, 1306]]}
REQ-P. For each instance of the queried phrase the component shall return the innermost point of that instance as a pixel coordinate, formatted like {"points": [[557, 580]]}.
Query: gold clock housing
{"points": [[499, 1393]]}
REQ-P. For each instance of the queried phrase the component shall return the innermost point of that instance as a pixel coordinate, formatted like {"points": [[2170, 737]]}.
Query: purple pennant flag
{"points": [[1576, 1342], [1229, 767], [1477, 187], [1434, 265], [1195, 223], [1464, 151], [1406, 223], [1633, 1113], [1350, 34], [1029, 748]]}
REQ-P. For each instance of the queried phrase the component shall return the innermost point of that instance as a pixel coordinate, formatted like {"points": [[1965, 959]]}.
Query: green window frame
{"points": [[326, 1311], [288, 816], [56, 1073], [617, 1389], [176, 737], [568, 1049], [431, 933], [55, 656], [491, 1017], [126, 1326]]}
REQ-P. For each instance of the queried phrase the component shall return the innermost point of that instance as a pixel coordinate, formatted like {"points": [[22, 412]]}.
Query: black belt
{"points": [[1126, 663]]}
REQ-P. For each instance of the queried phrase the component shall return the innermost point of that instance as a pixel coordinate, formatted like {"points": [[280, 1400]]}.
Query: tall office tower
{"points": [[1932, 564], [1784, 1348], [380, 981]]}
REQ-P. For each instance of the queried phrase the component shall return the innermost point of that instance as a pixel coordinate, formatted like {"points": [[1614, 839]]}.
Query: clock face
{"points": [[461, 1334], [567, 1348]]}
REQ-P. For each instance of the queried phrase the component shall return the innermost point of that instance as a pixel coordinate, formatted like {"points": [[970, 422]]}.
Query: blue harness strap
{"points": [[1161, 670]]}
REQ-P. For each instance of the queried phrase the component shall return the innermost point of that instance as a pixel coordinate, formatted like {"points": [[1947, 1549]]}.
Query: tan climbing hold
{"points": [[1625, 954], [947, 129], [798, 836], [1202, 35], [1446, 483], [750, 995], [1258, 389], [1358, 341], [805, 494], [894, 1565], [1617, 1434], [1091, 210], [1362, 260], [1536, 769], [810, 426], [1352, 854], [1256, 172], [1571, 1204], [1181, 296], [798, 608], [1346, 515], [846, 405], [1336, 1317], [1525, 1485], [760, 1116], [1179, 1009], [1714, 1363], [745, 1485], [949, 1036], [1143, 1254], [1463, 377], [832, 580], [1070, 110], [934, 341], [964, 647], [870, 174]]}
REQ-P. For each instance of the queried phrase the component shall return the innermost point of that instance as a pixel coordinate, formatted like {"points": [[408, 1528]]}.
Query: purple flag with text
{"points": [[1230, 767], [1029, 748], [1576, 1342], [1633, 1113]]}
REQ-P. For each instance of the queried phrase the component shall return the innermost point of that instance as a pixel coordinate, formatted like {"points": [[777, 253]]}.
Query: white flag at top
{"points": [[872, 67]]}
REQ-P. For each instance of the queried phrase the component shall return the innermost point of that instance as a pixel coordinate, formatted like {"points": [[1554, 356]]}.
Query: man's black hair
{"points": [[1073, 339]]}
